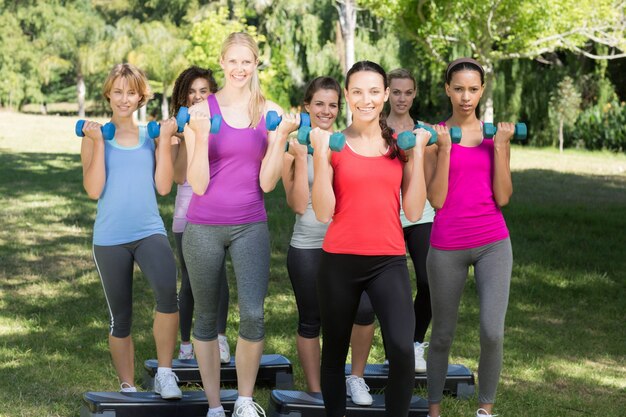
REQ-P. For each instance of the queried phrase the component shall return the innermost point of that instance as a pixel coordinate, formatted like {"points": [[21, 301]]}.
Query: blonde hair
{"points": [[135, 77], [257, 101]]}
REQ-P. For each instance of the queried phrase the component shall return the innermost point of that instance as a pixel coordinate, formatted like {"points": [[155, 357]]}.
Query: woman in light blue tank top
{"points": [[322, 100], [403, 89], [123, 174]]}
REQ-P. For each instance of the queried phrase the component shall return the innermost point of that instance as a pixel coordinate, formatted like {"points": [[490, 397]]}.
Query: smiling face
{"points": [[199, 90], [465, 90], [323, 108], [239, 64], [123, 97], [402, 94], [366, 95]]}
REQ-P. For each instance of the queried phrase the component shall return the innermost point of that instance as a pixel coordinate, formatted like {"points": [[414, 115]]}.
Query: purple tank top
{"points": [[234, 195], [470, 216]]}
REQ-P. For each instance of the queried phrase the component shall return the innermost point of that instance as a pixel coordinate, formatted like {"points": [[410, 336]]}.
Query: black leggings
{"points": [[185, 297], [417, 238], [340, 282], [302, 265]]}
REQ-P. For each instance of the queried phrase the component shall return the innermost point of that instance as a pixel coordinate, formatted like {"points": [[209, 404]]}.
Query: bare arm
{"points": [[413, 181], [179, 156], [323, 194], [502, 183], [164, 172], [295, 177], [439, 173], [271, 166], [92, 158], [197, 143]]}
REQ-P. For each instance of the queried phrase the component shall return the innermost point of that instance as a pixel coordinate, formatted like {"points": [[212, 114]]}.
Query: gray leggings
{"points": [[447, 273], [204, 249]]}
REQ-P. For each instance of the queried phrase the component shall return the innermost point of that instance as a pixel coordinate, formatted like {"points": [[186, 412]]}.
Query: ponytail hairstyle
{"points": [[135, 77], [321, 83], [466, 64], [180, 94], [257, 101], [386, 131]]}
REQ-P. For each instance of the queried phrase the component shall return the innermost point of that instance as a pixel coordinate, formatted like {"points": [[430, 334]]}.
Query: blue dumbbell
{"points": [[108, 130], [272, 120], [182, 118], [521, 132]]}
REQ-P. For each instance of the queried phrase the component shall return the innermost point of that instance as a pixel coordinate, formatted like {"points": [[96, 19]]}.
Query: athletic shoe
{"points": [[357, 389], [185, 355], [248, 408], [222, 341], [420, 362], [218, 414], [484, 413], [126, 387], [165, 383]]}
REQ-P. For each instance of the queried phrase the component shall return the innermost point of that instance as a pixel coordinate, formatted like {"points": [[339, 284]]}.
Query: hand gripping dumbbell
{"points": [[521, 132], [406, 139], [182, 118], [309, 148], [272, 120], [108, 130]]}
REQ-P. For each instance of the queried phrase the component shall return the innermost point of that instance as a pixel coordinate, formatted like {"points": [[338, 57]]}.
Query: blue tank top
{"points": [[127, 208]]}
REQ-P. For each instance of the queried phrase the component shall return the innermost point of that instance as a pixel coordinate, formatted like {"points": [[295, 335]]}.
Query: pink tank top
{"points": [[234, 195], [470, 216]]}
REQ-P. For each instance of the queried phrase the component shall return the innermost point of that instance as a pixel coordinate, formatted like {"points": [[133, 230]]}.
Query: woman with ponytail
{"points": [[228, 172], [363, 249]]}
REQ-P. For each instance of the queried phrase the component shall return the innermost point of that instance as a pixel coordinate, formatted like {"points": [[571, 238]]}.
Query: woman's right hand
{"points": [[200, 120], [443, 136], [93, 130], [297, 150]]}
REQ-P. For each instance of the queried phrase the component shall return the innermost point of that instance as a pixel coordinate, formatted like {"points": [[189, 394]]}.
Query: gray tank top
{"points": [[308, 232]]}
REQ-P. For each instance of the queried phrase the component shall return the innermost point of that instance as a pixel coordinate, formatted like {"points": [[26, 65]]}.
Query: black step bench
{"points": [[459, 381], [304, 404], [149, 404], [275, 371]]}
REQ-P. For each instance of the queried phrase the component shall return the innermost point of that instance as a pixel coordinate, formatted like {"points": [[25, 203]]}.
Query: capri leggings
{"points": [[205, 248], [340, 282], [115, 266], [185, 297], [447, 273], [417, 238], [302, 266]]}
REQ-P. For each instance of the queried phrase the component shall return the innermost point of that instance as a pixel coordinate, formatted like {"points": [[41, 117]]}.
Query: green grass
{"points": [[565, 346]]}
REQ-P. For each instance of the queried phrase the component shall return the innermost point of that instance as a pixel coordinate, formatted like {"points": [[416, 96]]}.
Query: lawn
{"points": [[565, 346]]}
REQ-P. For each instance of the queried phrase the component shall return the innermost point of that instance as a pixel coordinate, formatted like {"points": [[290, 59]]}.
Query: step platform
{"points": [[459, 381], [305, 404], [149, 404], [275, 371]]}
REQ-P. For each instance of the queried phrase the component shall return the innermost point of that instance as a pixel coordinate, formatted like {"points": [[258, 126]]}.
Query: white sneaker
{"points": [[126, 387], [221, 413], [420, 362], [248, 408], [484, 413], [357, 389], [185, 355], [222, 341], [165, 384]]}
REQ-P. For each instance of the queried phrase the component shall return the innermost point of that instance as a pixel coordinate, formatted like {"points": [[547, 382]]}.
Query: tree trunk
{"points": [[81, 90], [165, 114], [487, 110], [561, 134], [347, 20]]}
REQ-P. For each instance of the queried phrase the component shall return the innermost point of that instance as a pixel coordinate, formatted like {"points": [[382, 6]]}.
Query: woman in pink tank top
{"points": [[468, 183]]}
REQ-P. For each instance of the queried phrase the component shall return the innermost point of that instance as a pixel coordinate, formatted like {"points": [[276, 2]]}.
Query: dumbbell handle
{"points": [[490, 129], [108, 130], [272, 120], [182, 118]]}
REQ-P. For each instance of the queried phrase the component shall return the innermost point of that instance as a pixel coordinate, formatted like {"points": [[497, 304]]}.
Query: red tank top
{"points": [[367, 205]]}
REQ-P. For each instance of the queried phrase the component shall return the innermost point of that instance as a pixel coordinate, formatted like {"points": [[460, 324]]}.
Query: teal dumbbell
{"points": [[406, 139], [521, 132], [303, 135], [336, 142], [455, 134], [309, 148], [272, 120], [108, 130], [182, 118]]}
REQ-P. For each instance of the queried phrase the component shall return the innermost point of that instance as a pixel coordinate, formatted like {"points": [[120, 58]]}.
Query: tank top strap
{"points": [[214, 106]]}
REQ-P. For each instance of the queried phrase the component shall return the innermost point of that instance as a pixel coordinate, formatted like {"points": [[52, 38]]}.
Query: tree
{"points": [[565, 106]]}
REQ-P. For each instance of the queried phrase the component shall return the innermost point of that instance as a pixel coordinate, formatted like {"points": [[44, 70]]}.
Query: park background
{"points": [[557, 65]]}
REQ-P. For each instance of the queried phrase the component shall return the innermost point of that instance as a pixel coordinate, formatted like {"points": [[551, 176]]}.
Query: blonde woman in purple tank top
{"points": [[229, 172], [468, 183]]}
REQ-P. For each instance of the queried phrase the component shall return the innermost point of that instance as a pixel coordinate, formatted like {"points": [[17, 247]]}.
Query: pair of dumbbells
{"points": [[490, 130]]}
